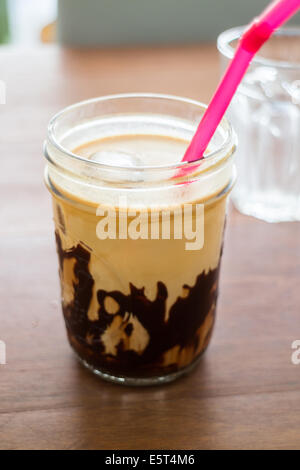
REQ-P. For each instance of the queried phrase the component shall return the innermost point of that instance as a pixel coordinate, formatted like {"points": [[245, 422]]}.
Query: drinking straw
{"points": [[256, 34]]}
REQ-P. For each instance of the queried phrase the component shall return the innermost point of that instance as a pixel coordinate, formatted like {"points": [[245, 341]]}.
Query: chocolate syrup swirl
{"points": [[181, 329]]}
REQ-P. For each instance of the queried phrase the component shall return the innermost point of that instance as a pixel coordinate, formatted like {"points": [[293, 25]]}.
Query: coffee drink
{"points": [[139, 254]]}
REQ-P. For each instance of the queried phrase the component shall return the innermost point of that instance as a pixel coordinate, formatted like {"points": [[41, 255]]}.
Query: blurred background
{"points": [[114, 22], [265, 111]]}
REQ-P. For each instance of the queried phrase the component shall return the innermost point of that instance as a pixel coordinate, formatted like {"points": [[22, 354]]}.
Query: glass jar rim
{"points": [[225, 38], [226, 145]]}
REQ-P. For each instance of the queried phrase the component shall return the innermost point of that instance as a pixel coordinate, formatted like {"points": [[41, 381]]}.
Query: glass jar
{"points": [[139, 245]]}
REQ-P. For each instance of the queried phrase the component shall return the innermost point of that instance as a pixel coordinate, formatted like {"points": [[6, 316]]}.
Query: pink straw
{"points": [[251, 41]]}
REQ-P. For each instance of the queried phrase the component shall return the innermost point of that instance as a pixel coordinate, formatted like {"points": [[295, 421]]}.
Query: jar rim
{"points": [[226, 37], [227, 144]]}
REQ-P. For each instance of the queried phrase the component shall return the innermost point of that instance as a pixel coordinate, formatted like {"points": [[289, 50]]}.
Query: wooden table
{"points": [[245, 392]]}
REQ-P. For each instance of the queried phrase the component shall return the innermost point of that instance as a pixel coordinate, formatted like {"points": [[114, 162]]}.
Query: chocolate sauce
{"points": [[181, 329]]}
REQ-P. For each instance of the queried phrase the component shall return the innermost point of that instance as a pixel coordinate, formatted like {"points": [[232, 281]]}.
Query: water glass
{"points": [[265, 113]]}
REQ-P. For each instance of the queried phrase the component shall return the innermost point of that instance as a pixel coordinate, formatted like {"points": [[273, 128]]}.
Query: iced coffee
{"points": [[139, 241]]}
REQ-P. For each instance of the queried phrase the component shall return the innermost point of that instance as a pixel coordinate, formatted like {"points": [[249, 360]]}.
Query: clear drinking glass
{"points": [[265, 113], [139, 306]]}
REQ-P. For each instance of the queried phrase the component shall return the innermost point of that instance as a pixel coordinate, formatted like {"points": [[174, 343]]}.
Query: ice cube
{"points": [[266, 82], [261, 75], [293, 89], [117, 158]]}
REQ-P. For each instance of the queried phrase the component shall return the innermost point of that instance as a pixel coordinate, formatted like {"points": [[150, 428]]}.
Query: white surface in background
{"points": [[28, 17], [2, 92]]}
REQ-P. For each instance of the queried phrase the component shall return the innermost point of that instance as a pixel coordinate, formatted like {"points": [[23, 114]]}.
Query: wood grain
{"points": [[245, 392]]}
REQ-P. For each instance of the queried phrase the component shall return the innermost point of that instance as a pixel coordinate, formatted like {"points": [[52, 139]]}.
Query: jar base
{"points": [[140, 381]]}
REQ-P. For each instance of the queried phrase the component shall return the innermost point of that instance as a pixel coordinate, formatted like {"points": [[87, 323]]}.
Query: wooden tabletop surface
{"points": [[245, 392]]}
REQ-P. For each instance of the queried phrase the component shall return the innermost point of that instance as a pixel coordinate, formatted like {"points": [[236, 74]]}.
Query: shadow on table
{"points": [[112, 416]]}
